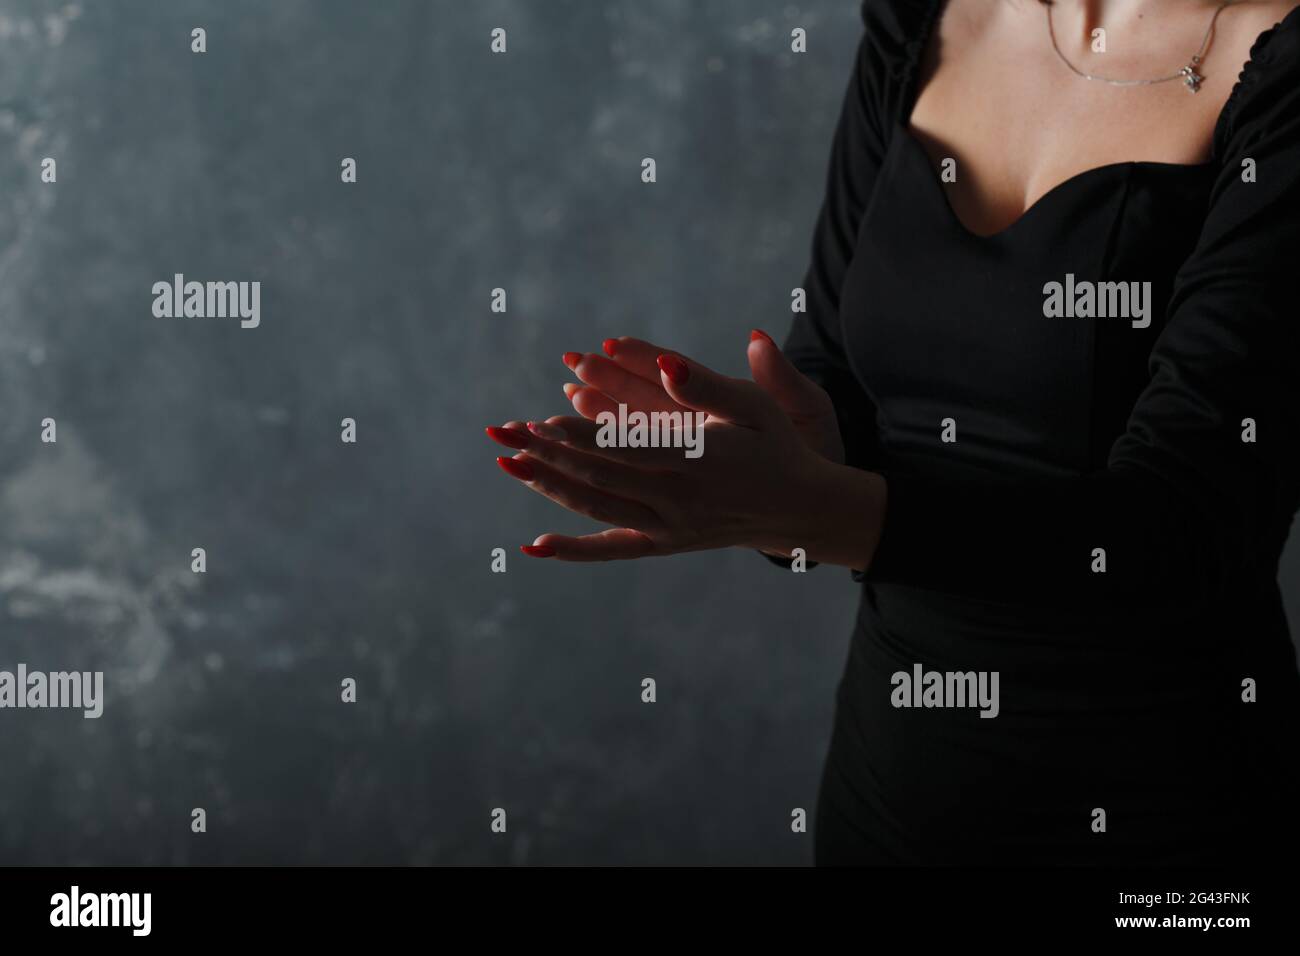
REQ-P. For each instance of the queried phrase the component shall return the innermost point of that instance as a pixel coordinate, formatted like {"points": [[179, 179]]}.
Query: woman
{"points": [[1044, 400]]}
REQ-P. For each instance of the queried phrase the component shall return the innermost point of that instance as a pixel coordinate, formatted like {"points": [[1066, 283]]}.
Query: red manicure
{"points": [[609, 345], [572, 359], [674, 368], [757, 334], [537, 550], [516, 468], [507, 436]]}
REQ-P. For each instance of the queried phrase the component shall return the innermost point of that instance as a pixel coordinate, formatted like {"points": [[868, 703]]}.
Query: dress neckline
{"points": [[1047, 199]]}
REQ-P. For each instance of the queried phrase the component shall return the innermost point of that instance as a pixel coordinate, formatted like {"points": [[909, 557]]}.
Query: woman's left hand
{"points": [[757, 484]]}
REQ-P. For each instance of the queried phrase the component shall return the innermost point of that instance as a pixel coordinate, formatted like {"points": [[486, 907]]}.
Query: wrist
{"points": [[838, 517]]}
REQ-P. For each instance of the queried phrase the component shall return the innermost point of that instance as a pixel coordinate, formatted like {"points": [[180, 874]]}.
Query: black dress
{"points": [[1104, 531]]}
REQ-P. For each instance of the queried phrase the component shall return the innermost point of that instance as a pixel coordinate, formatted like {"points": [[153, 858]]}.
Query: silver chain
{"points": [[1187, 74]]}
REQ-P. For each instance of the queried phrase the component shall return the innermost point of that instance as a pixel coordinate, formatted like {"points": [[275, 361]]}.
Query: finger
{"points": [[586, 436], [622, 385], [616, 544], [797, 395], [664, 459], [589, 402], [638, 357], [511, 434], [577, 497], [601, 473], [733, 399], [547, 430]]}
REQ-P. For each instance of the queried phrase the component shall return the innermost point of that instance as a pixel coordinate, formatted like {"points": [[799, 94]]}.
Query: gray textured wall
{"points": [[477, 690], [326, 560]]}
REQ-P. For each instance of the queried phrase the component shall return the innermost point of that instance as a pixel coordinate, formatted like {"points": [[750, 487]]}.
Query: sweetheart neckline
{"points": [[1045, 198]]}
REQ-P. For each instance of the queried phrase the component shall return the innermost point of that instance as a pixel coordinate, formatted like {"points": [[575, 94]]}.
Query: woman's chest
{"points": [[1030, 345]]}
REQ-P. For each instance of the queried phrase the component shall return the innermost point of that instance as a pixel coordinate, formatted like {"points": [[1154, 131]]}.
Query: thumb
{"points": [[797, 395]]}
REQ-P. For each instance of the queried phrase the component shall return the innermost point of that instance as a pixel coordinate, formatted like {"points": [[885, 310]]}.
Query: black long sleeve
{"points": [[815, 343]]}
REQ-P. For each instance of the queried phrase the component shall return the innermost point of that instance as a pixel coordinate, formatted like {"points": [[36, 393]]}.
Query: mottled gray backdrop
{"points": [[476, 690]]}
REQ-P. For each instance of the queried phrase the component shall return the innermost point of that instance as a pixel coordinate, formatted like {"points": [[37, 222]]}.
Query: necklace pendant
{"points": [[1191, 79]]}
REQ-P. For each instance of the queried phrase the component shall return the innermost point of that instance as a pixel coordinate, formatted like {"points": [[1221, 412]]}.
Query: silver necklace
{"points": [[1191, 79]]}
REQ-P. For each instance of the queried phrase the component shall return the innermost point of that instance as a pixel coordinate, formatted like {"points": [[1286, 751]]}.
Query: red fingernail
{"points": [[572, 359], [537, 550], [516, 468], [674, 368], [507, 436], [757, 334], [609, 345]]}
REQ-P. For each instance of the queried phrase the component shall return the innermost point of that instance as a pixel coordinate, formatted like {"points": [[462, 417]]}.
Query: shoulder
{"points": [[1264, 36], [1253, 17], [895, 30], [893, 38], [899, 16], [1259, 30]]}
